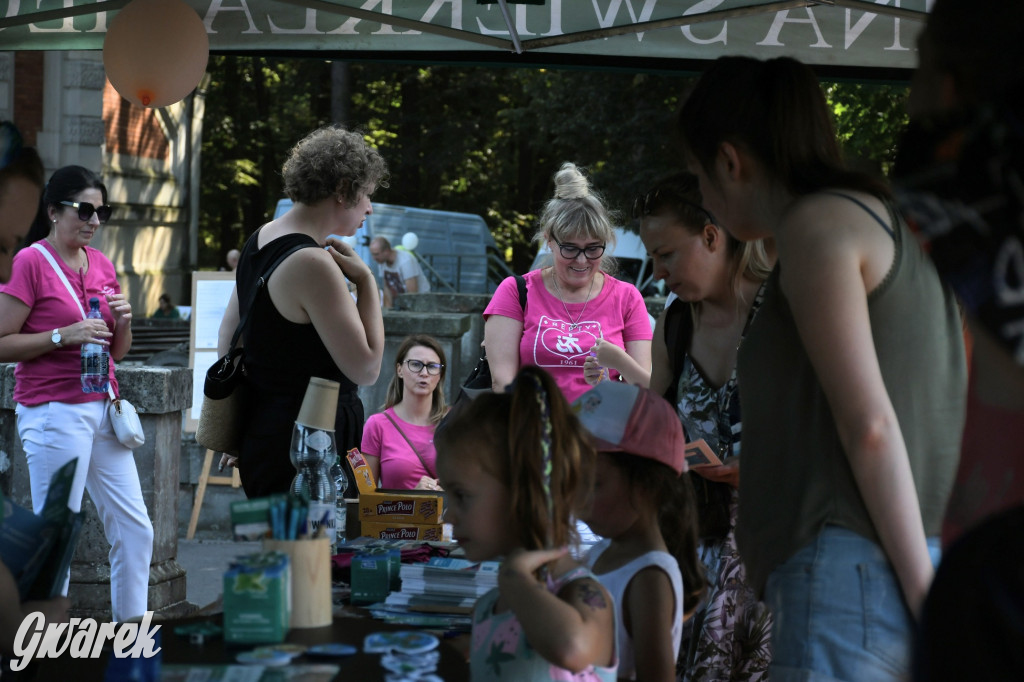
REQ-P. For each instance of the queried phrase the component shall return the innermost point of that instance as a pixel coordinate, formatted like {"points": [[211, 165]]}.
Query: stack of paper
{"points": [[439, 593]]}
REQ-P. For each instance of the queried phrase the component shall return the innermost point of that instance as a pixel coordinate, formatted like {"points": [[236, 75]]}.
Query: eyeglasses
{"points": [[645, 203], [570, 251], [417, 366], [85, 210]]}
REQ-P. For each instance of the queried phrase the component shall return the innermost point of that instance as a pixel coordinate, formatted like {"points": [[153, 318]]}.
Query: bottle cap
{"points": [[320, 404]]}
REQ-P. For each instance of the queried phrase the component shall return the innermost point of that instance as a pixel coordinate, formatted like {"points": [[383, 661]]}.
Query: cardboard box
{"points": [[401, 506], [257, 599], [250, 519], [435, 532], [365, 482]]}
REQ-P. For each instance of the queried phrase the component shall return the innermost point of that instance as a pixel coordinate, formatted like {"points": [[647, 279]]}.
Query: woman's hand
{"points": [[227, 461], [121, 309], [593, 372], [428, 483], [352, 266], [86, 331], [633, 363], [609, 355], [722, 473]]}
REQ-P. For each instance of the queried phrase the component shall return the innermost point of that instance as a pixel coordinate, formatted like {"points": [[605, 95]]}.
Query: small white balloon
{"points": [[410, 241], [351, 241]]}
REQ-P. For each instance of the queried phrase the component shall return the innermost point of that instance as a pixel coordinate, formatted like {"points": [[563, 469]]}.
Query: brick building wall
{"points": [[132, 130], [28, 94]]}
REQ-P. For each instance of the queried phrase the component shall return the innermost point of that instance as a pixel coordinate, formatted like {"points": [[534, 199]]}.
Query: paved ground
{"points": [[204, 561]]}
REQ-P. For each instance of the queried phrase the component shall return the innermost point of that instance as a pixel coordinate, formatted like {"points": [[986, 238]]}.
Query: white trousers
{"points": [[54, 433]]}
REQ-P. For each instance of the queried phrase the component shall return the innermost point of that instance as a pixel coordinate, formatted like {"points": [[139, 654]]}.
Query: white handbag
{"points": [[125, 420], [123, 415]]}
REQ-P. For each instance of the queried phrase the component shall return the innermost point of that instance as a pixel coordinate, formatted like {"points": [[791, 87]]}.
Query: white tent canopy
{"points": [[833, 34]]}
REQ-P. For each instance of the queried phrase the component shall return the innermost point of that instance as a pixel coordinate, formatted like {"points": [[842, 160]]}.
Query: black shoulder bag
{"points": [[225, 401]]}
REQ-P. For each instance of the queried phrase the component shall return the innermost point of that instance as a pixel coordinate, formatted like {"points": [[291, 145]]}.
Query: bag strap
{"points": [[60, 273], [678, 332], [425, 467], [521, 286], [71, 292], [261, 282]]}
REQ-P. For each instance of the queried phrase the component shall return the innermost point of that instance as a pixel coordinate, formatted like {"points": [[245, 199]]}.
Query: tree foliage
{"points": [[483, 140]]}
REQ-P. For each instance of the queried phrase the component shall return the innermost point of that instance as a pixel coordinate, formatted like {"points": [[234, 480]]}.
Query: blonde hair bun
{"points": [[571, 183]]}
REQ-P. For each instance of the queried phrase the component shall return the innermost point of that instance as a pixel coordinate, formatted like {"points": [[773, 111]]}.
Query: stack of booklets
{"points": [[439, 593]]}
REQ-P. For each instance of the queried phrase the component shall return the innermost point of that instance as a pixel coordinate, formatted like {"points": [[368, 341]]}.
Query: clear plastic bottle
{"points": [[95, 358], [340, 479], [312, 452]]}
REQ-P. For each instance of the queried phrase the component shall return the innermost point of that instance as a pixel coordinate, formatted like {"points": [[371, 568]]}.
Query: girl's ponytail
{"points": [[550, 461]]}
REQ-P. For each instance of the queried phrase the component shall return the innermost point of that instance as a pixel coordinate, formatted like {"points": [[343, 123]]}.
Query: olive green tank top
{"points": [[796, 477]]}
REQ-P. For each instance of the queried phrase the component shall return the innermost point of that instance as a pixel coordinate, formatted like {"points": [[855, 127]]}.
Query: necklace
{"points": [[78, 253], [573, 324]]}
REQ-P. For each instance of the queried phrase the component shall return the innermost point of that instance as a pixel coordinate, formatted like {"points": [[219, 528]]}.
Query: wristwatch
{"points": [[57, 338]]}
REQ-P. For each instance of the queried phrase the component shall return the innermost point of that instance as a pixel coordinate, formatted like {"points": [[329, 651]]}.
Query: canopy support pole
{"points": [[511, 27]]}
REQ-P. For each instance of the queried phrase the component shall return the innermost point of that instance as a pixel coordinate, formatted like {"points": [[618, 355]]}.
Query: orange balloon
{"points": [[155, 52]]}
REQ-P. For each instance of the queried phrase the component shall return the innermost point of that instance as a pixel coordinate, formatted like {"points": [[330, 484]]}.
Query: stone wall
{"points": [[160, 394]]}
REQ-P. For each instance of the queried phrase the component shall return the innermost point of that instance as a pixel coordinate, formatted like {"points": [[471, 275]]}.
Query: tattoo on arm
{"points": [[591, 595]]}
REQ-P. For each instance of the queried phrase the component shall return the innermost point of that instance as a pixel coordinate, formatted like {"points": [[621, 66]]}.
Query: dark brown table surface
{"points": [[176, 650]]}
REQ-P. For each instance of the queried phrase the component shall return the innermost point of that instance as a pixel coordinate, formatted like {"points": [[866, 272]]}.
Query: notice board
{"points": [[211, 292]]}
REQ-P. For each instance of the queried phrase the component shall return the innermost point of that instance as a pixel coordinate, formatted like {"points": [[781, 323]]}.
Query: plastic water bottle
{"points": [[340, 479], [95, 358], [312, 451]]}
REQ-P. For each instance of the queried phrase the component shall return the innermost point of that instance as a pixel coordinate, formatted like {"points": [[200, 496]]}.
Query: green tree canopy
{"points": [[481, 140]]}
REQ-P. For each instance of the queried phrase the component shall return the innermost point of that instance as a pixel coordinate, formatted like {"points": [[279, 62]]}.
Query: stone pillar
{"points": [[471, 305], [6, 86], [160, 394], [448, 328]]}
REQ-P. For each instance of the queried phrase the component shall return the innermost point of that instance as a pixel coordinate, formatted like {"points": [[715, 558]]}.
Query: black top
{"points": [[280, 358]]}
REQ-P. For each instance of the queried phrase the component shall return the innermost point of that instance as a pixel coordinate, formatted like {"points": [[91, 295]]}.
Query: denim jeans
{"points": [[839, 612]]}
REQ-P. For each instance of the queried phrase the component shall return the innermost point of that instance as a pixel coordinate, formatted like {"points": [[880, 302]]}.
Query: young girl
{"points": [[516, 467], [645, 509]]}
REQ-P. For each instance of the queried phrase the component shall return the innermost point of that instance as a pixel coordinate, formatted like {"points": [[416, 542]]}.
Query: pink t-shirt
{"points": [[56, 376], [617, 314], [400, 468]]}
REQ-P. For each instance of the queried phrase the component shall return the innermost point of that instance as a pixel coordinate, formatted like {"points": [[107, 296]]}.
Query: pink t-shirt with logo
{"points": [[550, 340], [55, 376], [400, 468]]}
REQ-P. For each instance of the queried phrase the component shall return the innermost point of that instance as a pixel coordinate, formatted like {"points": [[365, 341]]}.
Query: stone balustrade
{"points": [[160, 394]]}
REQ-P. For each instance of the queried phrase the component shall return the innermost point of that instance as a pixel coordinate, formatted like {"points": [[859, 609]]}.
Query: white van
{"points": [[454, 248], [630, 255]]}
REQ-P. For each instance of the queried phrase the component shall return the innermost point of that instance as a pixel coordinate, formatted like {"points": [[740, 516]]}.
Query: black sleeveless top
{"points": [[280, 358]]}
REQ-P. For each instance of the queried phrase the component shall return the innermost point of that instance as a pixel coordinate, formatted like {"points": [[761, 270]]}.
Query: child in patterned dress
{"points": [[516, 468]]}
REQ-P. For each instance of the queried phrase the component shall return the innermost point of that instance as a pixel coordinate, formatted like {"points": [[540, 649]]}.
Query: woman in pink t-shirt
{"points": [[42, 329], [573, 308], [398, 443]]}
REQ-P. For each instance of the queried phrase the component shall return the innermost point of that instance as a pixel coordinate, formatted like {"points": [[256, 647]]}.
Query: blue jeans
{"points": [[839, 612]]}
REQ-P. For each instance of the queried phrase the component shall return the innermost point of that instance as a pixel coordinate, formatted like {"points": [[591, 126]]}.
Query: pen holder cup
{"points": [[311, 580]]}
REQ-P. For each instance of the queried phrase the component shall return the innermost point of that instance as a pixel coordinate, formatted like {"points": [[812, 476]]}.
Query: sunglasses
{"points": [[644, 204], [416, 366], [85, 210]]}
